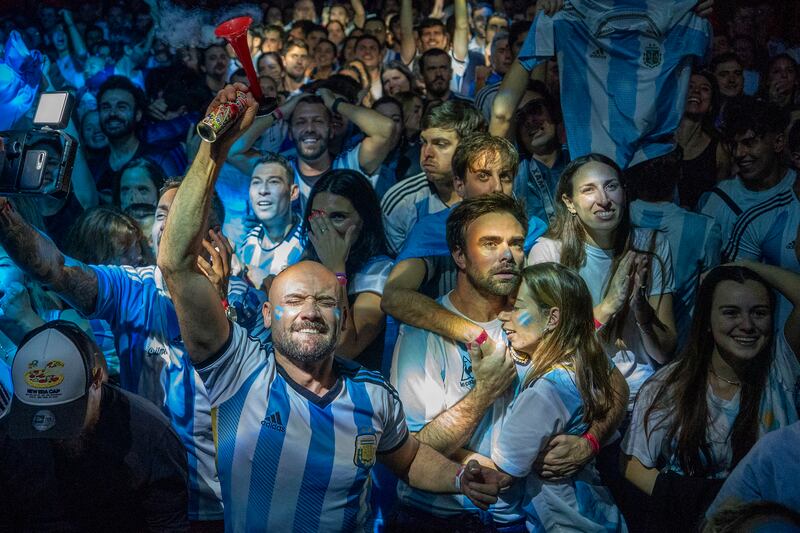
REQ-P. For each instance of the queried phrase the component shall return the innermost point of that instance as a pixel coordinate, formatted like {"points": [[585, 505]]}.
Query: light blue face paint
{"points": [[337, 313], [525, 318], [278, 312]]}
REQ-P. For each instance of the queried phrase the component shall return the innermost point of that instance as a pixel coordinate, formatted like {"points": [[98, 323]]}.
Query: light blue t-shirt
{"points": [[768, 233], [730, 199], [550, 406], [769, 472], [404, 204]]}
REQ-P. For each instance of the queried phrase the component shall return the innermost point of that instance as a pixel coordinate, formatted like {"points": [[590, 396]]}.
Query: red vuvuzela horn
{"points": [[235, 32], [220, 119]]}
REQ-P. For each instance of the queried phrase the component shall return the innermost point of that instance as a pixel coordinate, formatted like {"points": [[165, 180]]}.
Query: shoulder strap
{"points": [[728, 200]]}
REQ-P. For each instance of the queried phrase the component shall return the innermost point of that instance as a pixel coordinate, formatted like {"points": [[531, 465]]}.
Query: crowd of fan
{"points": [[618, 333]]}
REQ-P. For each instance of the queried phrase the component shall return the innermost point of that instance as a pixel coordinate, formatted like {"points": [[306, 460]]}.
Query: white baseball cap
{"points": [[51, 374]]}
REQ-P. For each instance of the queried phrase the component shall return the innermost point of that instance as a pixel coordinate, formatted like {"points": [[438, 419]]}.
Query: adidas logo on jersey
{"points": [[598, 54], [273, 421]]}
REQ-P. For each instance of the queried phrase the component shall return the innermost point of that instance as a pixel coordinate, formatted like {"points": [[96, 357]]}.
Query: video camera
{"points": [[39, 161]]}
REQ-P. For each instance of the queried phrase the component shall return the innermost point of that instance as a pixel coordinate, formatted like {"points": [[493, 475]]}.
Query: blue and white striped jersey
{"points": [[694, 241], [730, 199], [154, 364], [550, 406], [372, 276], [404, 204], [265, 260], [484, 99], [624, 67], [432, 374], [768, 233], [288, 459]]}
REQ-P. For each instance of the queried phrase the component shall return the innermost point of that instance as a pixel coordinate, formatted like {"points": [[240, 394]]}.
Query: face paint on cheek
{"points": [[337, 313], [525, 319], [278, 312]]}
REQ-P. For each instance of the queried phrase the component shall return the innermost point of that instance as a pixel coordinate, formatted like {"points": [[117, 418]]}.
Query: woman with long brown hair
{"points": [[628, 270], [736, 380], [567, 386]]}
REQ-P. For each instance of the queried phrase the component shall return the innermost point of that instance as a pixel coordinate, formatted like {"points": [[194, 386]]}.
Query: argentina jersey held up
{"points": [[624, 67]]}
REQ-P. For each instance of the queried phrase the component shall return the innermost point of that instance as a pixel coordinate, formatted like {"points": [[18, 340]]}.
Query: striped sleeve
{"points": [[225, 373], [763, 210], [539, 44], [399, 210]]}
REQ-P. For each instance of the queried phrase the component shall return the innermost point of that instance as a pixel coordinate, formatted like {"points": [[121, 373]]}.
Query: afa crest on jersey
{"points": [[652, 57], [366, 449]]}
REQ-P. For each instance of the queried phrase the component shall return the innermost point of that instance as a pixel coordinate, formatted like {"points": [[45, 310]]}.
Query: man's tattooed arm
{"points": [[39, 257]]}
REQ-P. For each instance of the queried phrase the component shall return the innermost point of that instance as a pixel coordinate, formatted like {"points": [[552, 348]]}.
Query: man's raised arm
{"points": [[378, 130], [204, 326], [402, 300], [39, 258]]}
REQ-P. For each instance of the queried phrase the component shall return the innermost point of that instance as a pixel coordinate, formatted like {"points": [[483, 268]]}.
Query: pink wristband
{"points": [[593, 442], [480, 339], [278, 113], [341, 277]]}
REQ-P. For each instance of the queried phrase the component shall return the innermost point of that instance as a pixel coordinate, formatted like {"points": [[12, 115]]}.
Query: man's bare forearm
{"points": [[451, 430], [416, 309], [408, 45], [183, 232], [431, 472], [370, 122], [461, 32], [39, 257]]}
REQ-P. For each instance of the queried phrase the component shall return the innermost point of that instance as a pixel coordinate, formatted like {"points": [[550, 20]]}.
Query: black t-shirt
{"points": [[132, 477], [171, 159]]}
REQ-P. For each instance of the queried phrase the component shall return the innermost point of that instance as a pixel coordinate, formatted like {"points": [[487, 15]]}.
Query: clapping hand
{"points": [[620, 285], [642, 310]]}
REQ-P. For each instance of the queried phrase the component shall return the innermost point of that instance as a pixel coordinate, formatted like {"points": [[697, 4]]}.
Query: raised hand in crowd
{"points": [[217, 268]]}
